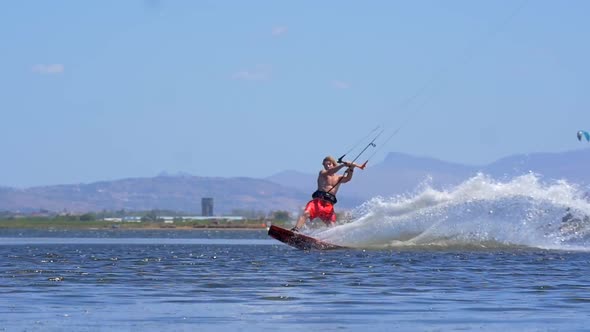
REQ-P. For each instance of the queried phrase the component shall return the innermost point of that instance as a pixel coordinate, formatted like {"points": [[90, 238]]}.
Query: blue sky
{"points": [[102, 90]]}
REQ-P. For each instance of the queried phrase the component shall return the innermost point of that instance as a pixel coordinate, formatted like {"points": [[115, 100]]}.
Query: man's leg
{"points": [[301, 221]]}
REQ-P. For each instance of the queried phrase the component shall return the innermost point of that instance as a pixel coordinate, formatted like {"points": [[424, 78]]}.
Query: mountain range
{"points": [[288, 190]]}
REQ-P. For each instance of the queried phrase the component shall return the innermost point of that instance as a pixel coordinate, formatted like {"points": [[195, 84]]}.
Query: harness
{"points": [[326, 196]]}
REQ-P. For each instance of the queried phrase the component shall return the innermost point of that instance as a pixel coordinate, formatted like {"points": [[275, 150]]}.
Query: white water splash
{"points": [[480, 212]]}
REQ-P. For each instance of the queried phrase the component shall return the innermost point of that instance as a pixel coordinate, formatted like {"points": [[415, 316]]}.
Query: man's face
{"points": [[328, 164]]}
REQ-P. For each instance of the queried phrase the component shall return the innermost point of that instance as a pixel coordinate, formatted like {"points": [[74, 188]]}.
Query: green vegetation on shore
{"points": [[153, 219], [70, 223]]}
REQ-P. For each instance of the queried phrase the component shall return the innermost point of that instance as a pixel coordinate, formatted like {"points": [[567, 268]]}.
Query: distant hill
{"points": [[571, 166], [401, 173], [178, 193], [289, 190]]}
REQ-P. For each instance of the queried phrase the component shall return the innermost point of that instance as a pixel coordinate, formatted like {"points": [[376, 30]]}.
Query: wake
{"points": [[479, 213]]}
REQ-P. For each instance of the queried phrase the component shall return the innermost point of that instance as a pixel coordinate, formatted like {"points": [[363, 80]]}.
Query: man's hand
{"points": [[351, 165]]}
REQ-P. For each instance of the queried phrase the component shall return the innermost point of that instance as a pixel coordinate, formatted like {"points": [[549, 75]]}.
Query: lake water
{"points": [[204, 280]]}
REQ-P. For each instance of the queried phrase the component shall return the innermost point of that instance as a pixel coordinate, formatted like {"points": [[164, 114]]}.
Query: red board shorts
{"points": [[319, 208]]}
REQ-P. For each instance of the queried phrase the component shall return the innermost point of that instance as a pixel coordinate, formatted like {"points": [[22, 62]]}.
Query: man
{"points": [[323, 200]]}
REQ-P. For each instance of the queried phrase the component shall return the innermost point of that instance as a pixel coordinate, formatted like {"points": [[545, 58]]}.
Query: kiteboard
{"points": [[300, 241]]}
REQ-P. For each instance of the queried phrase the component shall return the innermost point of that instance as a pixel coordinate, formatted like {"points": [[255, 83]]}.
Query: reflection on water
{"points": [[136, 233], [129, 241]]}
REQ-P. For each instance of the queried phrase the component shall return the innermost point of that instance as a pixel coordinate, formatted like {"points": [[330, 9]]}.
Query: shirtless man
{"points": [[323, 200]]}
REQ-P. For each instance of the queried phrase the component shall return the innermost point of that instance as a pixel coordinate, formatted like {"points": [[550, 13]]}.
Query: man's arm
{"points": [[353, 165], [347, 174], [333, 171]]}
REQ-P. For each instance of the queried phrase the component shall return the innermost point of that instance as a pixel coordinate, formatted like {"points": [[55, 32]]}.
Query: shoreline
{"points": [[117, 227], [53, 224], [188, 228]]}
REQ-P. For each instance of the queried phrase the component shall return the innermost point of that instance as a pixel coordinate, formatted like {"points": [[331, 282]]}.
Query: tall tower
{"points": [[207, 206]]}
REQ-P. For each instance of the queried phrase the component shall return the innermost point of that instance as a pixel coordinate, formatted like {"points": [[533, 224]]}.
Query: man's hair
{"points": [[330, 158]]}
